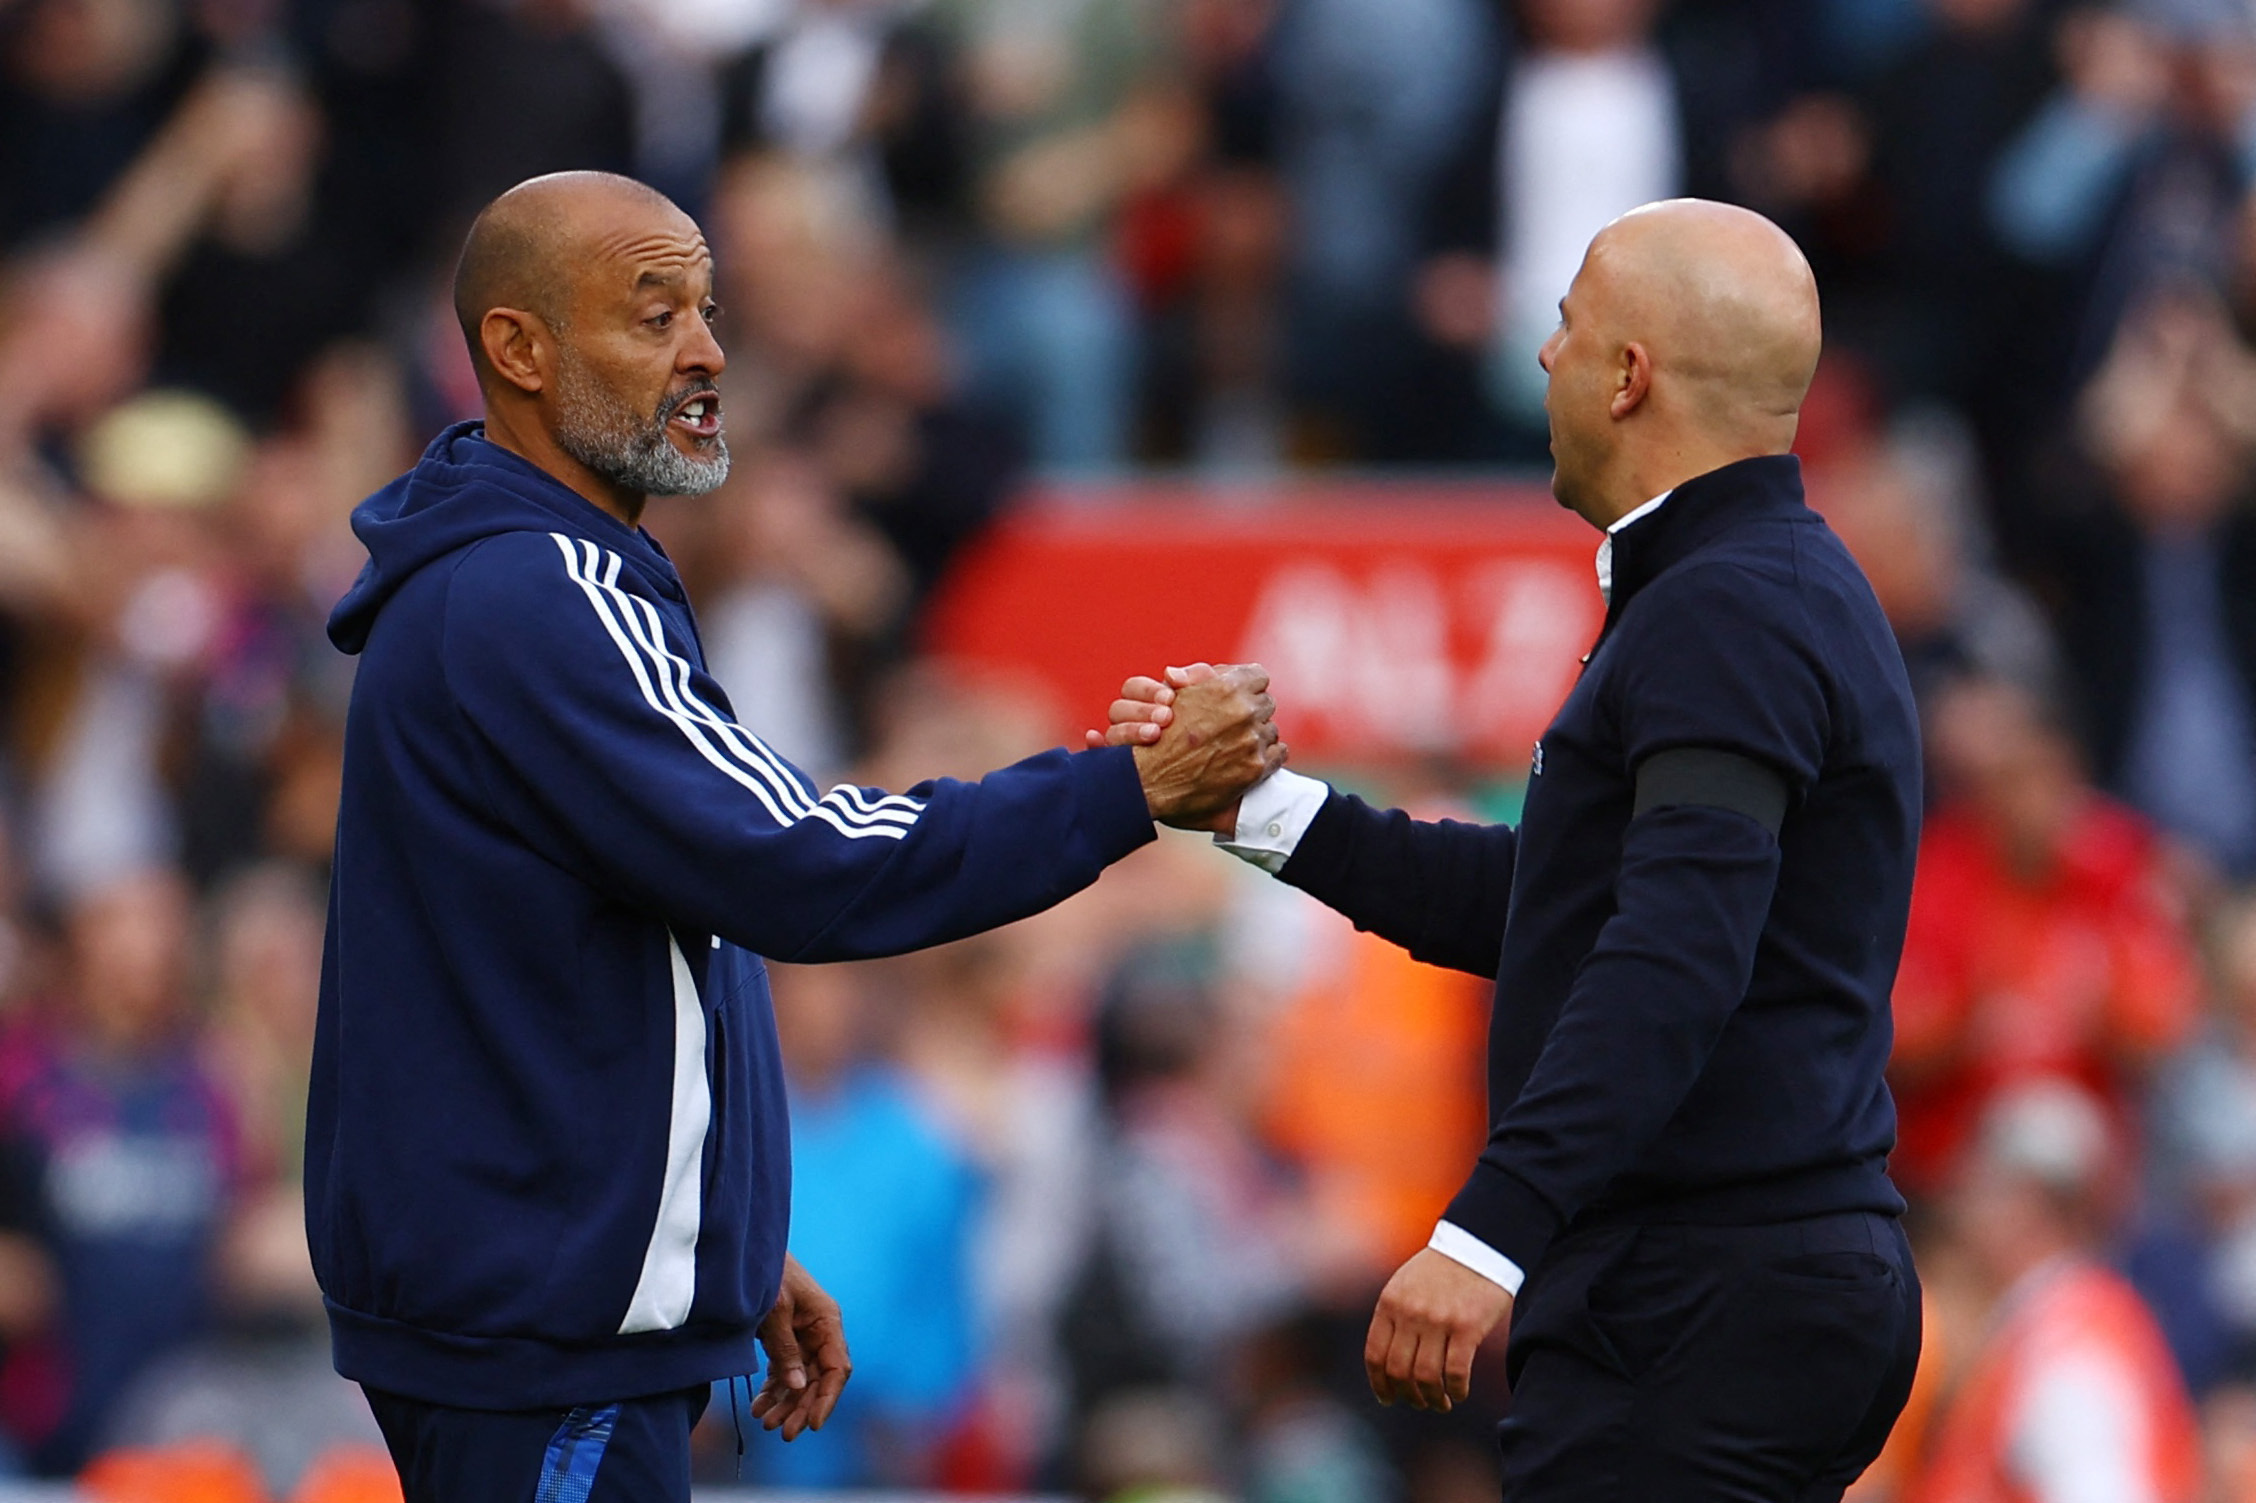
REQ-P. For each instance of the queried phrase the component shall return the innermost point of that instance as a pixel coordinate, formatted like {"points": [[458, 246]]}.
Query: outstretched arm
{"points": [[605, 746], [1437, 888]]}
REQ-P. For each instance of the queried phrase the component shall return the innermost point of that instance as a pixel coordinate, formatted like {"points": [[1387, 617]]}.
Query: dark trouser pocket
{"points": [[1723, 1365]]}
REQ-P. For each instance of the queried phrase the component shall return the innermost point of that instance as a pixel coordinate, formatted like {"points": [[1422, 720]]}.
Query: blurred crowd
{"points": [[1107, 1195]]}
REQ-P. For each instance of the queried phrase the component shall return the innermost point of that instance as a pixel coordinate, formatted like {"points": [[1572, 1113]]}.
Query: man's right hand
{"points": [[1224, 741], [807, 1361]]}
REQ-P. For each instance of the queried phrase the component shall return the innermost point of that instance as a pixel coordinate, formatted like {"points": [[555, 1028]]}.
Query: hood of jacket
{"points": [[464, 489]]}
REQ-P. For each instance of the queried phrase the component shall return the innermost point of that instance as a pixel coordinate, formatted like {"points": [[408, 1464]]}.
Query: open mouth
{"points": [[700, 416]]}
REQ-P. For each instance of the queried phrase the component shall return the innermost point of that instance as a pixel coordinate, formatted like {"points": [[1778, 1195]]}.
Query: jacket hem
{"points": [[1792, 1197], [519, 1372]]}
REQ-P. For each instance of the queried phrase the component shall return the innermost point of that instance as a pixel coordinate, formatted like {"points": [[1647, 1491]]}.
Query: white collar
{"points": [[1606, 544]]}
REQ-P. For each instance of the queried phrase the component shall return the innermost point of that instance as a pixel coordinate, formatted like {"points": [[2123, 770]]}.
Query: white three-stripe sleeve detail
{"points": [[673, 681], [668, 1285], [691, 730], [743, 741], [730, 756], [643, 625], [642, 621], [650, 695], [888, 806]]}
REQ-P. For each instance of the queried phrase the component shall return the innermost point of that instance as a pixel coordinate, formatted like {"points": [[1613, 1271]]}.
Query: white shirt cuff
{"points": [[1272, 817], [1460, 1246]]}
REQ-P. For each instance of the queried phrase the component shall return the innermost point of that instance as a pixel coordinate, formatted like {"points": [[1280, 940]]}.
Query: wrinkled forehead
{"points": [[663, 252]]}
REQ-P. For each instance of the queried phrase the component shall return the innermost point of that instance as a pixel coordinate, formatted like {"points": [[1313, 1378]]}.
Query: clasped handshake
{"points": [[1202, 736]]}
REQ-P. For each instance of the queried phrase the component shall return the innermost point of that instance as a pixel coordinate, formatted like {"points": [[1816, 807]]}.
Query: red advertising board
{"points": [[1396, 620]]}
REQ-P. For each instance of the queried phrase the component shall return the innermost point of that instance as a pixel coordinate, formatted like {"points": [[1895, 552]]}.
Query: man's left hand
{"points": [[805, 1338], [1432, 1317]]}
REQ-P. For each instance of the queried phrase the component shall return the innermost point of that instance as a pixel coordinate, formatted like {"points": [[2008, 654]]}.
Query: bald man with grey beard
{"points": [[548, 1170], [1683, 1209]]}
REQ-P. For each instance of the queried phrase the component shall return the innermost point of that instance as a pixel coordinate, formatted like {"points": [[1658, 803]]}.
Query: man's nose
{"points": [[702, 352], [1543, 356]]}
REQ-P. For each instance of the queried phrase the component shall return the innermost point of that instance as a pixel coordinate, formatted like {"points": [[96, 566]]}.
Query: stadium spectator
{"points": [[1371, 97], [2072, 1393], [1190, 1251], [1907, 505], [2129, 176], [994, 1032], [523, 89], [2155, 575], [259, 1378], [139, 627], [266, 970], [2205, 1141], [847, 366], [858, 87], [1153, 1442], [1206, 257], [1887, 181], [89, 83], [1069, 110], [884, 1204], [1601, 109], [1024, 1117], [138, 1147], [27, 1306], [2045, 939], [799, 592], [1302, 1442]]}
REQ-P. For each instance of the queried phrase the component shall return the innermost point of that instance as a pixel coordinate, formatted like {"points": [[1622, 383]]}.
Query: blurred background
{"points": [[1069, 338]]}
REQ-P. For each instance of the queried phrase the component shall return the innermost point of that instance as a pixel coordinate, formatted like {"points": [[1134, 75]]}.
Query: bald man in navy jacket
{"points": [[1693, 932]]}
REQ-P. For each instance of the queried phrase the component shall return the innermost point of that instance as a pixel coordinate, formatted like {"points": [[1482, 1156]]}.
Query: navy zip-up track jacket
{"points": [[1691, 1019], [546, 1146]]}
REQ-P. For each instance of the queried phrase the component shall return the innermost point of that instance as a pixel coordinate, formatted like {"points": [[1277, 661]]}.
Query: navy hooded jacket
{"points": [[546, 1152]]}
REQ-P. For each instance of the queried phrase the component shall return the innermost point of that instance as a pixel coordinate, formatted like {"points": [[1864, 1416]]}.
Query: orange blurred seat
{"points": [[197, 1471], [349, 1474]]}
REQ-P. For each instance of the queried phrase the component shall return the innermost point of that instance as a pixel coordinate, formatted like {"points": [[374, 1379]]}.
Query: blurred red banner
{"points": [[1397, 620]]}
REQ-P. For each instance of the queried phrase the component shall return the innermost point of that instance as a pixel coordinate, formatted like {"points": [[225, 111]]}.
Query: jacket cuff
{"points": [[1504, 1211], [1319, 860], [1115, 816]]}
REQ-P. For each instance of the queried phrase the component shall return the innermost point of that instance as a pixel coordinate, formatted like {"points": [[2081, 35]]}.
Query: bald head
{"points": [[1691, 333], [526, 248], [1724, 301]]}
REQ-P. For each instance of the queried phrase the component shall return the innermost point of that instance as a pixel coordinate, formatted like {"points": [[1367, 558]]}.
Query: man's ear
{"points": [[512, 340], [1632, 380]]}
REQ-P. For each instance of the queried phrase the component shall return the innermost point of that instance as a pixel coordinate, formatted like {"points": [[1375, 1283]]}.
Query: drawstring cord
{"points": [[736, 1418]]}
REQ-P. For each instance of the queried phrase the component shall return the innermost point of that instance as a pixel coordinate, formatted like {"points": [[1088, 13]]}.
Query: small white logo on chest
{"points": [[1538, 760]]}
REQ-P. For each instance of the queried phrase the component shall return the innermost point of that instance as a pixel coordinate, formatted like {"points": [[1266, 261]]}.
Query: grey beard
{"points": [[628, 450]]}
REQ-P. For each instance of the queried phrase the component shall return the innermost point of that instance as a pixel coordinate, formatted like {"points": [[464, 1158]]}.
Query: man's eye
{"points": [[662, 320], [712, 312]]}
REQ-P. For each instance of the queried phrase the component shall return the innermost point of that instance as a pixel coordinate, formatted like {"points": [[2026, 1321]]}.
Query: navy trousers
{"points": [[1668, 1364], [633, 1451]]}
